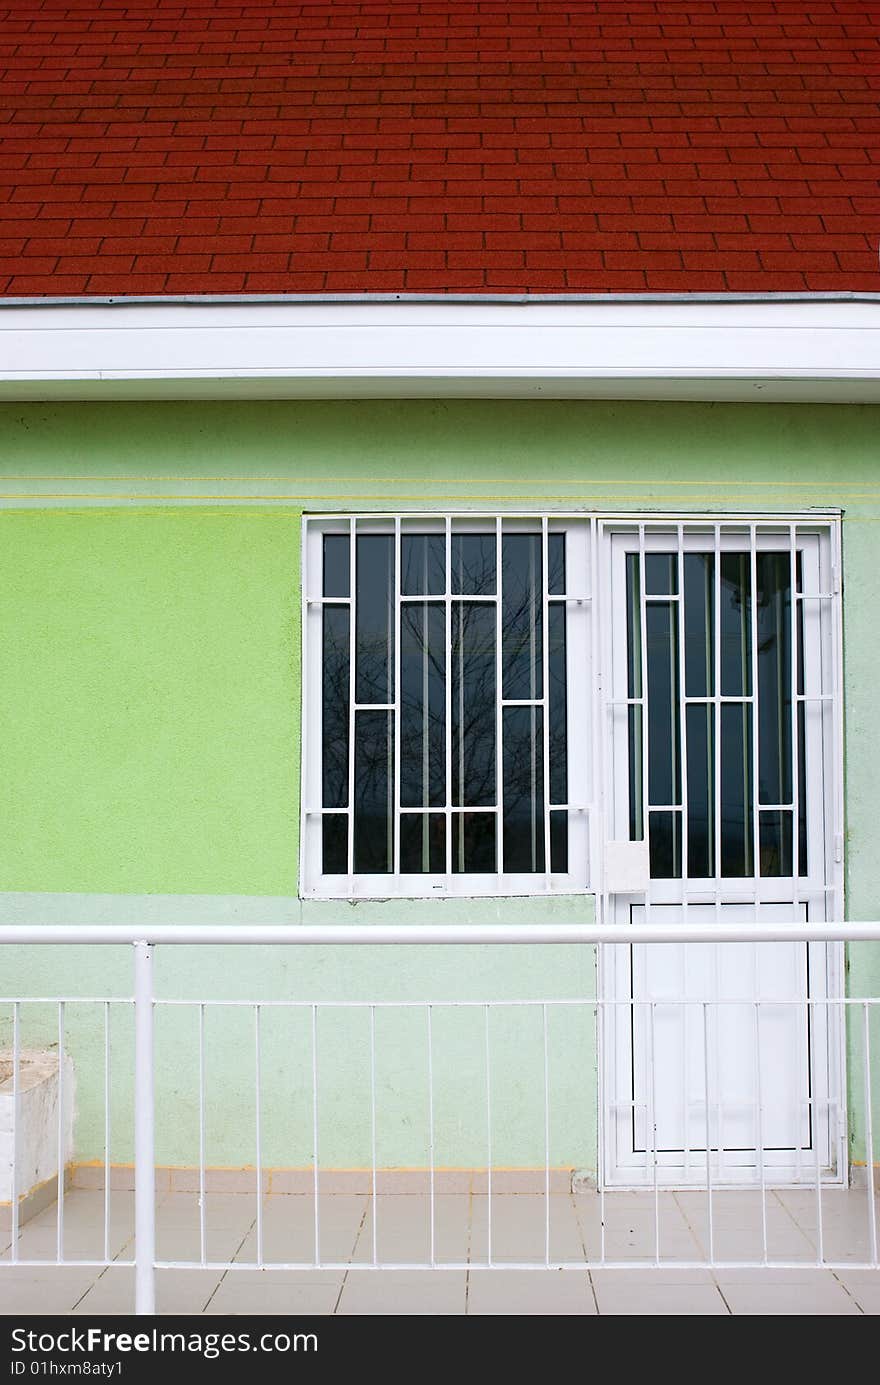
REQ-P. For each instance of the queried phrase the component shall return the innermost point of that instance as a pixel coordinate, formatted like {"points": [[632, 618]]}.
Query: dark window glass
{"points": [[699, 624], [522, 743], [633, 628], [736, 790], [334, 707], [736, 625], [661, 574], [701, 790], [374, 661], [422, 843], [556, 564], [334, 832], [473, 704], [521, 612], [473, 843], [373, 792], [664, 778], [473, 564], [337, 560], [447, 701], [423, 564], [559, 842], [558, 700], [422, 705]]}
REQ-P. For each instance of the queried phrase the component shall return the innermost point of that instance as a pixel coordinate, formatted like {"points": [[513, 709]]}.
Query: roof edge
{"points": [[517, 299]]}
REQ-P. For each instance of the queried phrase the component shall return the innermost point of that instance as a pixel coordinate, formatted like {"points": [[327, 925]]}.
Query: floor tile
{"points": [[776, 1296], [403, 1230], [544, 1293], [289, 1229], [243, 1292], [684, 1300], [40, 1291], [403, 1293], [863, 1286]]}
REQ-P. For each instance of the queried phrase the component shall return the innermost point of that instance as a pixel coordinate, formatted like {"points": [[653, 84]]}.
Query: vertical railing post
{"points": [[144, 1154]]}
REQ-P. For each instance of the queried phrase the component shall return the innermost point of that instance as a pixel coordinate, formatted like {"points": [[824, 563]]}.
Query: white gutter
{"points": [[786, 348]]}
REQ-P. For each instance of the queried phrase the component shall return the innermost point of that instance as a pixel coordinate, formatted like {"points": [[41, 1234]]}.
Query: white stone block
{"points": [[36, 1157]]}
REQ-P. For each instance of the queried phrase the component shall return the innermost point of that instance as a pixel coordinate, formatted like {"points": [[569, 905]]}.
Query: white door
{"points": [[721, 1062]]}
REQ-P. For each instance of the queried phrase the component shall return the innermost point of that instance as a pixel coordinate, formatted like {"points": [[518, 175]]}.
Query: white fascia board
{"points": [[814, 349]]}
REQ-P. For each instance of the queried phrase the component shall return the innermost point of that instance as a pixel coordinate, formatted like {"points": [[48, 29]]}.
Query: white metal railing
{"points": [[653, 1179]]}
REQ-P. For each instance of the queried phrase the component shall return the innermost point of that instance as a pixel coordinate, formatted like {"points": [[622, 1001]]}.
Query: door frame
{"points": [[789, 529]]}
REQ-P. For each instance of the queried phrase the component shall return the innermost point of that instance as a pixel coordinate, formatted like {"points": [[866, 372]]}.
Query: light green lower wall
{"points": [[149, 614]]}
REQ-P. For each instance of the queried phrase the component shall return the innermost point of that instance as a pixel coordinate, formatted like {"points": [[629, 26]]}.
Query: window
{"points": [[447, 708]]}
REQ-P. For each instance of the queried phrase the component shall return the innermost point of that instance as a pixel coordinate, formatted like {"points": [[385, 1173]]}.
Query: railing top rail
{"points": [[384, 934]]}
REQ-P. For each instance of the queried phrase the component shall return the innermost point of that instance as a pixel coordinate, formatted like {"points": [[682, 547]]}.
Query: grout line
{"points": [[470, 1233], [835, 1275], [682, 1211], [104, 1270], [360, 1231], [721, 1294], [226, 1271], [583, 1239]]}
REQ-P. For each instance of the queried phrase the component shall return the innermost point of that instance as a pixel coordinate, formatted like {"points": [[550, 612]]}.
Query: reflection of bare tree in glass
{"points": [[334, 727], [469, 661]]}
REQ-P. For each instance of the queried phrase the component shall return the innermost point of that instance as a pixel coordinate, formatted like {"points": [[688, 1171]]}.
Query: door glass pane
{"points": [[473, 564], [776, 844], [665, 845], [521, 617], [337, 558], [802, 729], [701, 790], [374, 662], [334, 707], [473, 843], [522, 742], [422, 843], [373, 792], [661, 574], [422, 705], [699, 624], [664, 778], [633, 628], [423, 564], [634, 689], [473, 704], [736, 625], [774, 677], [558, 704], [636, 781], [736, 790]]}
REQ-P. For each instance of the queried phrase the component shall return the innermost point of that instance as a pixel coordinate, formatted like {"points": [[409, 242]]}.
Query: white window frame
{"points": [[580, 550]]}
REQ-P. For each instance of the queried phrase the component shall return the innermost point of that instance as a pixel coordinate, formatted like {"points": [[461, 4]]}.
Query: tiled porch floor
{"points": [[461, 1228]]}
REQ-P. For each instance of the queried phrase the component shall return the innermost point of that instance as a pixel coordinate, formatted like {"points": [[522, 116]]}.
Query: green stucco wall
{"points": [[149, 614]]}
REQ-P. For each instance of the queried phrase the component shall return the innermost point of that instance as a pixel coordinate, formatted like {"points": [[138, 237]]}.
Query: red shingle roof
{"points": [[439, 145]]}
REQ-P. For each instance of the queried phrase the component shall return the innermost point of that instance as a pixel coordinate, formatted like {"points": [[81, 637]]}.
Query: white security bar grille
{"points": [[446, 710]]}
